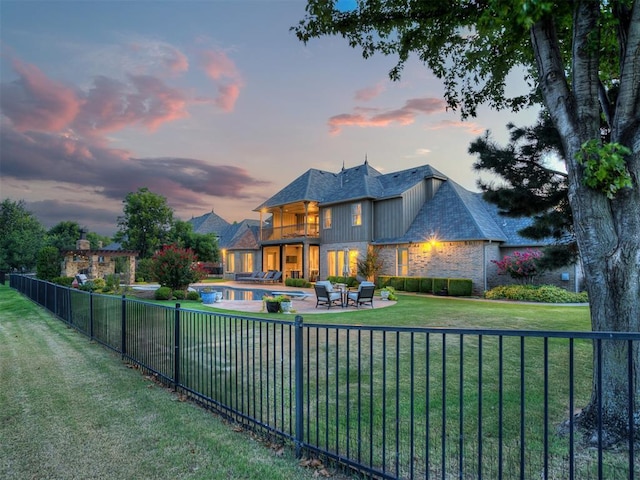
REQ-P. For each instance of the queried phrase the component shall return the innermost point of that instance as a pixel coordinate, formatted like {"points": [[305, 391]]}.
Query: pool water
{"points": [[230, 293]]}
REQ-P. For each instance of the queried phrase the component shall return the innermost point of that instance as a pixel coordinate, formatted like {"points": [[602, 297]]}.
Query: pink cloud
{"points": [[223, 71], [227, 96], [113, 105], [368, 93], [218, 65], [471, 127], [402, 116], [37, 102]]}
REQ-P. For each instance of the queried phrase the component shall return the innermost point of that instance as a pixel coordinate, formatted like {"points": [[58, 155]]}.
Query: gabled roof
{"points": [[209, 223], [240, 235], [243, 235], [456, 214], [362, 181]]}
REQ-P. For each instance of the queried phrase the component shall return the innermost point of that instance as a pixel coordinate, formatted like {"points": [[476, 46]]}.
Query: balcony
{"points": [[289, 232]]}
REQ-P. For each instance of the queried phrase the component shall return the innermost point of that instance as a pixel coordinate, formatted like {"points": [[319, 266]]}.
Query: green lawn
{"points": [[69, 409]]}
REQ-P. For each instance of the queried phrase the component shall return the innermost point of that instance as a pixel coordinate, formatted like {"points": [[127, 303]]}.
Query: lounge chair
{"points": [[250, 278], [325, 297], [275, 278], [363, 296]]}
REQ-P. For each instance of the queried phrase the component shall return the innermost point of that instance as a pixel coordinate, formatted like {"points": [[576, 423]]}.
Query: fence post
{"points": [[91, 314], [299, 395], [176, 348], [123, 327]]}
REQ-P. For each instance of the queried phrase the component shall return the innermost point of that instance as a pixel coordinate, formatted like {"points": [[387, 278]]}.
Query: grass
{"points": [[70, 410], [337, 388]]}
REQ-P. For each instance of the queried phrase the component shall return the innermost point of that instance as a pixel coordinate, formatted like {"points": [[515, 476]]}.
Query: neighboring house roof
{"points": [[209, 223], [242, 235]]}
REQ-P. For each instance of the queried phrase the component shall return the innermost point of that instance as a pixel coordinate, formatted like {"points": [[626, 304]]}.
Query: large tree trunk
{"points": [[607, 230]]}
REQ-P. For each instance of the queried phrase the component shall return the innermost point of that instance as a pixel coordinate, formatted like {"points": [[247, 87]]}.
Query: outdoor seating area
{"points": [[270, 276], [329, 295]]}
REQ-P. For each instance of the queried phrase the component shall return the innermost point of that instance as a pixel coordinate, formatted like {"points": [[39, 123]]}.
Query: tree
{"points": [[21, 237], [176, 267], [64, 235], [205, 246], [146, 222], [529, 187], [48, 266], [572, 54]]}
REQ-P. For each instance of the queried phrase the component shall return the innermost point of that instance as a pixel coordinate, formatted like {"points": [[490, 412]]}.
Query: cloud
{"points": [[222, 70], [471, 127], [376, 118], [369, 93], [36, 102]]}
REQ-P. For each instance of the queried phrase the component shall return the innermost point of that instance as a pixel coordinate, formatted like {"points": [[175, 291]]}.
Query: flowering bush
{"points": [[523, 266], [176, 267]]}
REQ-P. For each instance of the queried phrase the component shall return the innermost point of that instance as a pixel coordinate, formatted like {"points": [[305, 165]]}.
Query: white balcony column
{"points": [[306, 218]]}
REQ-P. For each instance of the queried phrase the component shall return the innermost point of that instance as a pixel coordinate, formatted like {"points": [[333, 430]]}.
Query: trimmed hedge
{"points": [[458, 287], [297, 282], [349, 281], [536, 293]]}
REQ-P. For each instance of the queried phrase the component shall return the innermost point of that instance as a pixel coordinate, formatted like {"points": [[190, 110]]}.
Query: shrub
{"points": [[193, 295], [163, 293], [536, 293], [522, 266], [426, 285], [412, 284], [179, 294], [397, 283], [297, 282], [460, 287], [176, 267], [440, 285], [64, 281], [88, 286], [143, 270]]}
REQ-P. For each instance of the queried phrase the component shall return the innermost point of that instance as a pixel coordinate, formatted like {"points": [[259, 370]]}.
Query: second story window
{"points": [[356, 214], [327, 218]]}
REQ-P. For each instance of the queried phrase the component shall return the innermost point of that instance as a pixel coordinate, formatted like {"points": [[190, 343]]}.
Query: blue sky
{"points": [[212, 104]]}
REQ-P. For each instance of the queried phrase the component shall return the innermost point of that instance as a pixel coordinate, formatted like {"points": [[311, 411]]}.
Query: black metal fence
{"points": [[387, 402]]}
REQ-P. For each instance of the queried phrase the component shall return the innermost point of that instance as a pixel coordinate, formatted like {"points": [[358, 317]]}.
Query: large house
{"points": [[423, 223]]}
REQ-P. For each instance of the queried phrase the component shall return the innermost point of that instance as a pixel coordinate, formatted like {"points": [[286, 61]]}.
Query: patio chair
{"points": [[325, 297], [363, 296], [249, 278], [273, 276]]}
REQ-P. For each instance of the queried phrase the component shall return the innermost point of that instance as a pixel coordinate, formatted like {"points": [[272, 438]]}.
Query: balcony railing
{"points": [[291, 231]]}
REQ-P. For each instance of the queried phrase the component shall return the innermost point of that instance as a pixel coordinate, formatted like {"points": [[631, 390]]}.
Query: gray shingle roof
{"points": [[456, 214], [209, 223], [362, 181]]}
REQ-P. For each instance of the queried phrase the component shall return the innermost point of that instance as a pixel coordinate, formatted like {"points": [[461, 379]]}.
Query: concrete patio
{"points": [[306, 306]]}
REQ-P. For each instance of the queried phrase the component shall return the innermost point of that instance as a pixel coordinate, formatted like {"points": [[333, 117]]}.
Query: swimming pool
{"points": [[230, 293]]}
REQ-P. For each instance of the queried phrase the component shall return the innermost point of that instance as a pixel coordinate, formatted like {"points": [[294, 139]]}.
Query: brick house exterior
{"points": [[97, 263]]}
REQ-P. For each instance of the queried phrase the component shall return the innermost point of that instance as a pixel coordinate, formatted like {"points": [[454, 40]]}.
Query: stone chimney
{"points": [[83, 243]]}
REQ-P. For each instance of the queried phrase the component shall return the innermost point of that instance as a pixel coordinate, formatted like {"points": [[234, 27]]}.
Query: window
{"points": [[246, 262], [356, 214], [231, 262], [335, 263], [403, 262], [327, 218]]}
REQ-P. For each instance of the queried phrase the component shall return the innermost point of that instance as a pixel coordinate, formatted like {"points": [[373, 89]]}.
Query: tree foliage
{"points": [[205, 246], [176, 267], [146, 222], [48, 265], [21, 237], [529, 186]]}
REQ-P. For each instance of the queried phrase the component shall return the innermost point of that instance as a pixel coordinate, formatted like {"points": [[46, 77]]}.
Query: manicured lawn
{"points": [[69, 409]]}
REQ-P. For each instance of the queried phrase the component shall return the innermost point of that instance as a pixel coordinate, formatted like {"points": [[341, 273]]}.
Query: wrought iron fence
{"points": [[387, 402]]}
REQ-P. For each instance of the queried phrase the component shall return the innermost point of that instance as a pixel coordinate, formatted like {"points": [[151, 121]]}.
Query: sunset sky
{"points": [[212, 104]]}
